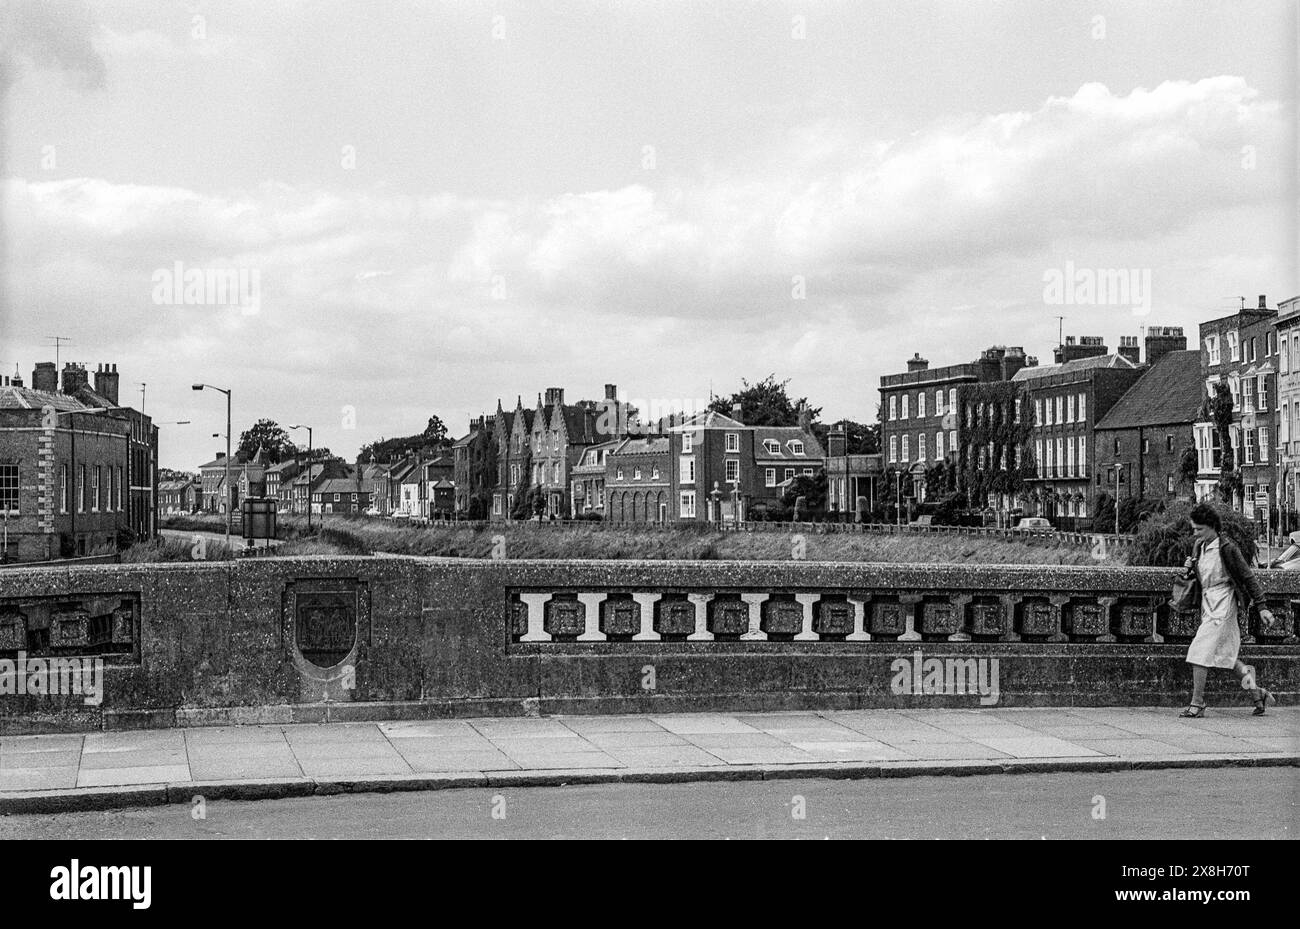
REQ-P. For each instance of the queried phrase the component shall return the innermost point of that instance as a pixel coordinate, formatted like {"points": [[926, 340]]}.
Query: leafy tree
{"points": [[435, 431], [1188, 466], [812, 488], [765, 404], [1221, 415], [270, 437], [860, 439]]}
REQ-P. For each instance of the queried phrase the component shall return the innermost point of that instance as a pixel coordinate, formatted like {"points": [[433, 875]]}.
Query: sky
{"points": [[430, 206]]}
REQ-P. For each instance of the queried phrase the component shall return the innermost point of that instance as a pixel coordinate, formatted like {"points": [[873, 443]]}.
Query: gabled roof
{"points": [[709, 419], [1169, 393], [1070, 367]]}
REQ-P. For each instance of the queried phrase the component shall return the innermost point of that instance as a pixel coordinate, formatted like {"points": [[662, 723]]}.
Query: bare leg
{"points": [[1241, 669], [1199, 673]]}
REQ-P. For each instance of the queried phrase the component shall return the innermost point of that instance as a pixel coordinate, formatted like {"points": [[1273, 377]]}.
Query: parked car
{"points": [[373, 511], [1035, 522], [1289, 560]]}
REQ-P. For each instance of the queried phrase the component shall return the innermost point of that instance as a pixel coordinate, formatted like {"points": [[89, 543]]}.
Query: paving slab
{"points": [[947, 750], [654, 756], [458, 761], [222, 769], [1132, 748], [1037, 747], [49, 759], [138, 774], [40, 743], [132, 759], [704, 724], [38, 778], [430, 728], [851, 751], [239, 735], [332, 733], [587, 725], [634, 739]]}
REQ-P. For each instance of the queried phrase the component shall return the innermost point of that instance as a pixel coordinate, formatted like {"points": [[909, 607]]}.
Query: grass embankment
{"points": [[347, 536]]}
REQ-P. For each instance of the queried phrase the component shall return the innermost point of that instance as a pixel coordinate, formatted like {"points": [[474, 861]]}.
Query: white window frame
{"points": [[686, 500], [728, 465], [893, 448], [769, 477], [796, 447], [688, 443], [902, 413], [733, 442]]}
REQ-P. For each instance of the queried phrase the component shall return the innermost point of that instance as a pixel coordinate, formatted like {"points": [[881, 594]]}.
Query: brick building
{"points": [[723, 469], [1242, 350], [1288, 416], [78, 472], [639, 480], [587, 481], [1148, 431], [475, 472], [918, 427], [1067, 400]]}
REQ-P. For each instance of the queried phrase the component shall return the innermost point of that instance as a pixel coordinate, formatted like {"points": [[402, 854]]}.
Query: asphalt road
{"points": [[1191, 804]]}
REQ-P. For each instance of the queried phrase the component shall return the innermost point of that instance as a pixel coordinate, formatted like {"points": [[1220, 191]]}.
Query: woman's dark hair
{"points": [[1205, 515]]}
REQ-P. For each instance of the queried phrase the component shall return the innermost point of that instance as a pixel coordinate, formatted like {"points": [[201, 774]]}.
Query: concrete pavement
{"points": [[101, 770]]}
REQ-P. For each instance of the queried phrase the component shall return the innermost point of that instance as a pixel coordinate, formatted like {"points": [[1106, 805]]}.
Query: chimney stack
{"points": [[611, 392], [45, 377], [837, 442], [106, 382], [1263, 304], [1128, 348], [737, 411], [917, 363], [74, 377], [1161, 340]]}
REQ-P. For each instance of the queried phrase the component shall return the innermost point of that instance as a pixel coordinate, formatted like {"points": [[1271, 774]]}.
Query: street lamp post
{"points": [[227, 494], [308, 428]]}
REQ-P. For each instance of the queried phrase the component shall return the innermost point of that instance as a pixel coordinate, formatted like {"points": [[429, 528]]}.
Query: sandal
{"points": [[1265, 696], [1193, 711]]}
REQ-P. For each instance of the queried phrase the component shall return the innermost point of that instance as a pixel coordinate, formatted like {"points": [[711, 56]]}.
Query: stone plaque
{"points": [[325, 617]]}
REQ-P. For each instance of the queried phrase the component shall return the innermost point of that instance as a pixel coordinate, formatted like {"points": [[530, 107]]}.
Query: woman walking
{"points": [[1228, 589]]}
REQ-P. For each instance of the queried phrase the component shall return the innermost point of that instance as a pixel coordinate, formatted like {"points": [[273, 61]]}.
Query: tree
{"points": [[860, 439], [435, 431], [765, 404], [812, 488], [1221, 415], [268, 436]]}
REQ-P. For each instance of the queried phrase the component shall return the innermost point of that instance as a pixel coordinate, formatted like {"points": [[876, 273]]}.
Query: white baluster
{"points": [[859, 633], [755, 633], [592, 604], [806, 634], [647, 603], [536, 604], [701, 633]]}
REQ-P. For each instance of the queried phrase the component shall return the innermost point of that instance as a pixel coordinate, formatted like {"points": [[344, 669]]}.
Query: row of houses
{"points": [[1136, 422], [597, 459]]}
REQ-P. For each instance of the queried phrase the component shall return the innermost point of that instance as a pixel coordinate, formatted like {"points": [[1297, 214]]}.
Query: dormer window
{"points": [[796, 447], [773, 446]]}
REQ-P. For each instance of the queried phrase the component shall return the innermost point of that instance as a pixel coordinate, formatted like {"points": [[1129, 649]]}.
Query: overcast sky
{"points": [[447, 203]]}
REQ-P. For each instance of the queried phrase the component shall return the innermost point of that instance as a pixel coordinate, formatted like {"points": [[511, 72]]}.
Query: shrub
{"points": [[1165, 539]]}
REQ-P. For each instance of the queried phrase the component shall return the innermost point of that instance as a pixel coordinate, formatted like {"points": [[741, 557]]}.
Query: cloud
{"points": [[57, 36]]}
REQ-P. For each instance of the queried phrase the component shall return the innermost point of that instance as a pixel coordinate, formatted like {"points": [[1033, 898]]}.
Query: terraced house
{"points": [[1242, 351]]}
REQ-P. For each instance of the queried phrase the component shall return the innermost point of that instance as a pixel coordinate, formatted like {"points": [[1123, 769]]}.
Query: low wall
{"points": [[312, 639]]}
